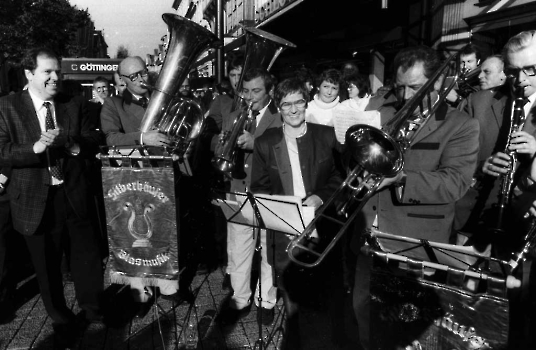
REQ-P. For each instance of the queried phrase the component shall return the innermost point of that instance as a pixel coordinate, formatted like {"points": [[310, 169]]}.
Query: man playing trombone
{"points": [[438, 167]]}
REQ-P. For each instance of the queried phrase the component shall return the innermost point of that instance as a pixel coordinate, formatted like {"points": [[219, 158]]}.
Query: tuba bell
{"points": [[262, 49], [181, 119], [374, 155]]}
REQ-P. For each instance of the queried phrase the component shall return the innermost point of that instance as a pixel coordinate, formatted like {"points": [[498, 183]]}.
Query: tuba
{"points": [[262, 49], [375, 155], [181, 119]]}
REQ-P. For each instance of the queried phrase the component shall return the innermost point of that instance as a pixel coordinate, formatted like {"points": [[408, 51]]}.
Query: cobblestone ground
{"points": [[163, 327]]}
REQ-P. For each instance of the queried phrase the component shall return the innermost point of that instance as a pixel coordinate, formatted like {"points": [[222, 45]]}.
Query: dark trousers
{"points": [[46, 249], [5, 229], [361, 298]]}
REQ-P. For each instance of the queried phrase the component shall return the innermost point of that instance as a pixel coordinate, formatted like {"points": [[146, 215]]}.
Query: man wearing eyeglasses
{"points": [[520, 67], [101, 89], [295, 159], [121, 115]]}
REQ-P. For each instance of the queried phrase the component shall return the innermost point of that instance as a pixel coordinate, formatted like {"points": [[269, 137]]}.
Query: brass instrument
{"points": [[377, 154], [262, 49], [517, 121], [468, 82], [181, 119]]}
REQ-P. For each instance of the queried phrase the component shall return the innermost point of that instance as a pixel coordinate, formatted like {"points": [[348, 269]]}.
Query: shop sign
{"points": [[88, 66], [264, 9]]}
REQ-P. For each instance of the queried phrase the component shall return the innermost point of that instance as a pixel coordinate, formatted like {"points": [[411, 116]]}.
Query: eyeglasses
{"points": [[101, 89], [530, 71], [184, 87], [134, 76], [286, 106]]}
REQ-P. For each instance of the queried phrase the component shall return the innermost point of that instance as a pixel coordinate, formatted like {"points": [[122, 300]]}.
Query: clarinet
{"points": [[530, 241], [517, 121]]}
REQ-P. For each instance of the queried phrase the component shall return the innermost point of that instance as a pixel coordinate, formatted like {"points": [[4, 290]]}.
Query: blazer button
{"points": [[373, 207], [246, 165]]}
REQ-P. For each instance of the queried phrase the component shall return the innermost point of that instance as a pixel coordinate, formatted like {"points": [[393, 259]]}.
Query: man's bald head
{"points": [[133, 71], [492, 73]]}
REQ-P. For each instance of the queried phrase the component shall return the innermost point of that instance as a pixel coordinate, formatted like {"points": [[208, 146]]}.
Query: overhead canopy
{"points": [[506, 17]]}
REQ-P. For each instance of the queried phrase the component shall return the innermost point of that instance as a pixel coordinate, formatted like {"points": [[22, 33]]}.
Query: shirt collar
{"points": [[37, 101]]}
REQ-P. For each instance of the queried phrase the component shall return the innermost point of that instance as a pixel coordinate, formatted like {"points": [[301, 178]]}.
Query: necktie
{"points": [[55, 169]]}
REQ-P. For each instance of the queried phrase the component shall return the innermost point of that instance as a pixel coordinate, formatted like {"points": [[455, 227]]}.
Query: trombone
{"points": [[375, 155]]}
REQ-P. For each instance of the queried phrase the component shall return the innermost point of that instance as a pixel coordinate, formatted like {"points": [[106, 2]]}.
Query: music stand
{"points": [[261, 212]]}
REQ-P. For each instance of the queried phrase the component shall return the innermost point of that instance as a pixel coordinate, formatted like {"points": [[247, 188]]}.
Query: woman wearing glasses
{"points": [[295, 160], [358, 92]]}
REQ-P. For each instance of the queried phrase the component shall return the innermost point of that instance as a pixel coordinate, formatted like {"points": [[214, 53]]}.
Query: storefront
{"points": [[85, 70]]}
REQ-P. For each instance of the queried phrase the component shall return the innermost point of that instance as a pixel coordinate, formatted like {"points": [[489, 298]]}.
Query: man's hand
{"points": [[388, 181], [497, 164], [522, 142], [155, 138], [50, 138], [246, 141], [313, 201], [452, 96]]}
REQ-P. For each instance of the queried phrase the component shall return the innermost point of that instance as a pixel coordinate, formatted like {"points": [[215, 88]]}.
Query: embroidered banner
{"points": [[141, 222]]}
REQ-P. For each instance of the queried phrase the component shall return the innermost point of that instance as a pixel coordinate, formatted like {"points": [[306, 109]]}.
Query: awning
{"points": [[88, 77], [511, 16]]}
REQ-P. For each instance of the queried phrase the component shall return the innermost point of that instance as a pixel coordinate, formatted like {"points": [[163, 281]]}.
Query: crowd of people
{"points": [[447, 191]]}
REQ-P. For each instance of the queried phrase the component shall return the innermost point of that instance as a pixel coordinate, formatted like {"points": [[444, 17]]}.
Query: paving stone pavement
{"points": [[164, 326]]}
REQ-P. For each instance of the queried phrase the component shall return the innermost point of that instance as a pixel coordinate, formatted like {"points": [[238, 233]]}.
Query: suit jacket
{"points": [[272, 172], [121, 120], [270, 119], [30, 178], [219, 110], [439, 167], [491, 108]]}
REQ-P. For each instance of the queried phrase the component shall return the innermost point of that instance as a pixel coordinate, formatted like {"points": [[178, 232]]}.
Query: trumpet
{"points": [[377, 154], [227, 163], [517, 121]]}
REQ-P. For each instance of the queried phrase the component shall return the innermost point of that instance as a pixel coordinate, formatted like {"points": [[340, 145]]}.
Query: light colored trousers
{"points": [[240, 250]]}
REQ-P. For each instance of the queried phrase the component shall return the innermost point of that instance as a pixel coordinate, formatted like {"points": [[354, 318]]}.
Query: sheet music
{"points": [[344, 118], [280, 213]]}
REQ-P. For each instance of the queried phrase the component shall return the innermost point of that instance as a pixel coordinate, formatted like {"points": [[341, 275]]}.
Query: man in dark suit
{"points": [[45, 138], [473, 215], [6, 284], [419, 201], [256, 90], [294, 160]]}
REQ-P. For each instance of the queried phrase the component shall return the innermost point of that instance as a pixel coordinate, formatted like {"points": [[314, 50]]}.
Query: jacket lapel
{"points": [[283, 165], [497, 107], [432, 124], [270, 117], [29, 115]]}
